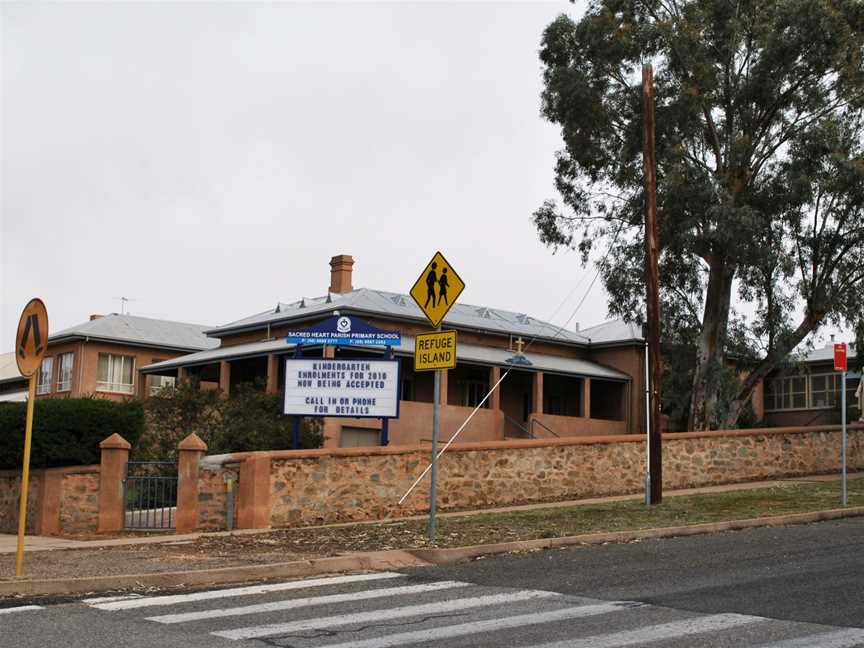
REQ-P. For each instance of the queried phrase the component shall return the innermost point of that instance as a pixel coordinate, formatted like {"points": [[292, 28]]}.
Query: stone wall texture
{"points": [[79, 503], [10, 494], [348, 484]]}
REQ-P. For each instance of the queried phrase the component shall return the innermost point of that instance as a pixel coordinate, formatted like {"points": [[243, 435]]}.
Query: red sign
{"points": [[840, 357]]}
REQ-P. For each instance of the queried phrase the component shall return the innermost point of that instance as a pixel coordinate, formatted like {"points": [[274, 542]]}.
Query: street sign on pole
{"points": [[30, 344], [840, 357], [437, 289], [435, 351], [435, 292], [841, 366]]}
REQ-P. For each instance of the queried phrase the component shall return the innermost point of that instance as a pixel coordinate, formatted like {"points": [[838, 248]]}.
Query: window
{"points": [[475, 391], [64, 371], [115, 373], [407, 390], [816, 391], [46, 371], [158, 383]]}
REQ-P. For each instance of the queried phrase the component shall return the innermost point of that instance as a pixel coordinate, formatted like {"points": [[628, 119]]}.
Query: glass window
{"points": [[407, 390], [46, 371], [64, 371], [115, 373], [158, 383], [475, 391]]}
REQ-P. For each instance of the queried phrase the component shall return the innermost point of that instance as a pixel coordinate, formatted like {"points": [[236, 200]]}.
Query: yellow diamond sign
{"points": [[437, 289]]}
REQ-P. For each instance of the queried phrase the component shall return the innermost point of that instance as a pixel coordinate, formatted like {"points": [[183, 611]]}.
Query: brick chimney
{"points": [[95, 317], [340, 273]]}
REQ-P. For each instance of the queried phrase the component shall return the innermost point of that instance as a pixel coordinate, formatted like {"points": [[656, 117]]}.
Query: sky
{"points": [[207, 160]]}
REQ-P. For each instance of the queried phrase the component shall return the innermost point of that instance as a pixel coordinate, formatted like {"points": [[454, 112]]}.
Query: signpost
{"points": [[435, 292], [840, 365], [30, 344], [435, 351]]}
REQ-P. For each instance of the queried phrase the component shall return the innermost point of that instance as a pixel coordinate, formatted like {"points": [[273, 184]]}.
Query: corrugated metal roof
{"points": [[141, 330], [9, 368], [403, 307], [466, 353], [826, 353], [613, 331]]}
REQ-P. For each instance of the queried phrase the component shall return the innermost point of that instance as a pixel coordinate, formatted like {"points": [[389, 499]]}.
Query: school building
{"points": [[102, 357], [567, 383]]}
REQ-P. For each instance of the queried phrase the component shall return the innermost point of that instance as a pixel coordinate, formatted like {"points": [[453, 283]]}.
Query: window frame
{"points": [[44, 386], [65, 386], [834, 391], [109, 387]]}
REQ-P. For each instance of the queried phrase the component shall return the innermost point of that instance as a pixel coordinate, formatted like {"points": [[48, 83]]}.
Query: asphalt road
{"points": [[797, 587]]}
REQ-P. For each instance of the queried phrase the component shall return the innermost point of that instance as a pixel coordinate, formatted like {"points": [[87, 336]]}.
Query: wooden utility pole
{"points": [[652, 286]]}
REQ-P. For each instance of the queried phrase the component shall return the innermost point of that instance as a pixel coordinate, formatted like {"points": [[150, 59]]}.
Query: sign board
{"points": [[32, 338], [435, 351], [343, 330], [437, 289], [357, 388], [840, 357]]}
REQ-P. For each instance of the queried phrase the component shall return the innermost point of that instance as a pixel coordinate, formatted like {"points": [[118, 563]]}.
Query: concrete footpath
{"points": [[57, 566]]}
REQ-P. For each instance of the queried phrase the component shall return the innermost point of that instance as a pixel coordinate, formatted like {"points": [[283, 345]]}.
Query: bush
{"points": [[247, 421], [66, 431]]}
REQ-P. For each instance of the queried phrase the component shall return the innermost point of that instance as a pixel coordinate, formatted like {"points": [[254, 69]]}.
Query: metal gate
{"points": [[150, 495]]}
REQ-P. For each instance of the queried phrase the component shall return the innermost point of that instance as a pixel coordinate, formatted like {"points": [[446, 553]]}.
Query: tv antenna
{"points": [[123, 302]]}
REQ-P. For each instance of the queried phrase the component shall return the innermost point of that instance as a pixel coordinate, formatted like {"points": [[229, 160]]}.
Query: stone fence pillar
{"points": [[115, 455], [253, 501], [190, 450]]}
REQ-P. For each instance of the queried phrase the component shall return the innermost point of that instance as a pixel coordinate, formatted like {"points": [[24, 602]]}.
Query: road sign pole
{"points": [[25, 479], [844, 496], [433, 488]]}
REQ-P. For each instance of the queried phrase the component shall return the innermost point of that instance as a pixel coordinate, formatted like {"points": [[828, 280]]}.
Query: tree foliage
{"points": [[248, 420], [759, 168], [66, 431]]}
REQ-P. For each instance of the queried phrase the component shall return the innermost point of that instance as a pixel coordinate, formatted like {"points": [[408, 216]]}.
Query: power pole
{"points": [[652, 286]]}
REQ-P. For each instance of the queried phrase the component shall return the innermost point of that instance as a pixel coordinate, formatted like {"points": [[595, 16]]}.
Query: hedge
{"points": [[66, 431]]}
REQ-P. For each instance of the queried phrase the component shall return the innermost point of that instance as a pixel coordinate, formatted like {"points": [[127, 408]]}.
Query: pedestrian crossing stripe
{"points": [[243, 591], [21, 608], [440, 607], [509, 609], [293, 604], [487, 625]]}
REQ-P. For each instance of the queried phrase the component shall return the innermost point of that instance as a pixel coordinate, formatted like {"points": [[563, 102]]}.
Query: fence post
{"points": [[191, 448], [253, 501], [115, 455]]}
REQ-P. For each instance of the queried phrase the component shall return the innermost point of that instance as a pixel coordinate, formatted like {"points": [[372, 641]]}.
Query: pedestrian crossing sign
{"points": [[437, 289]]}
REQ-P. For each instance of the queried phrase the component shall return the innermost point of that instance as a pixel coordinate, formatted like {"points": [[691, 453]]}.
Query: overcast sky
{"points": [[207, 160]]}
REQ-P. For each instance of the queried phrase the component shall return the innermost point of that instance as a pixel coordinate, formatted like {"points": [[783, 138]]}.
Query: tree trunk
{"points": [[768, 364], [709, 352]]}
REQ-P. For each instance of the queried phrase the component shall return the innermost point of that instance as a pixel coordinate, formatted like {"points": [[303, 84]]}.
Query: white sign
{"points": [[351, 387]]}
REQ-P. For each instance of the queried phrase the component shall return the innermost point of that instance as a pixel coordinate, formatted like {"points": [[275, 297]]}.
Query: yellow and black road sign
{"points": [[435, 351], [32, 337], [437, 289]]}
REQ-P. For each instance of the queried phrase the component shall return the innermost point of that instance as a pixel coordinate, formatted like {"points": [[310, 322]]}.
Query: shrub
{"points": [[248, 420], [66, 431]]}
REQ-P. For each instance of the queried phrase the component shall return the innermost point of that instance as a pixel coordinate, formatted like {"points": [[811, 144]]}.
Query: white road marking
{"points": [[292, 604], [487, 625], [388, 614], [110, 599], [845, 638], [242, 591], [20, 608], [660, 632]]}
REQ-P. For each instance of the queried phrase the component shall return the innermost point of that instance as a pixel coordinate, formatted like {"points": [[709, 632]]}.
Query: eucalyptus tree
{"points": [[760, 173]]}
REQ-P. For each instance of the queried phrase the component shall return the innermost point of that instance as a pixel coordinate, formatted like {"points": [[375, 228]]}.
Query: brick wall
{"points": [[10, 494]]}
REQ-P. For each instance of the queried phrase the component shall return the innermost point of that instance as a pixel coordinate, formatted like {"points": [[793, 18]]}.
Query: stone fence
{"points": [[292, 488], [304, 487]]}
